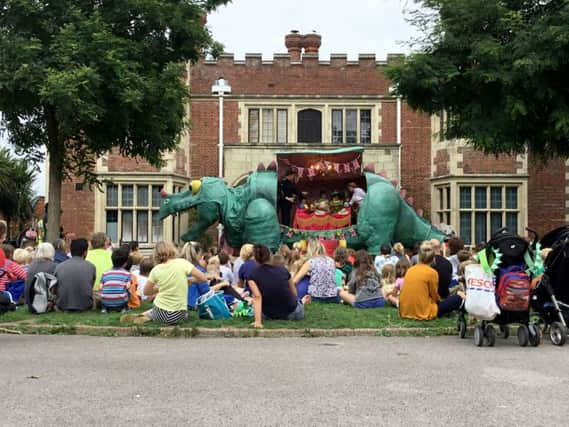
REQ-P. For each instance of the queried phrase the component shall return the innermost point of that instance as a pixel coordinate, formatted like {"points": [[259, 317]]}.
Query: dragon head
{"points": [[178, 202], [205, 196]]}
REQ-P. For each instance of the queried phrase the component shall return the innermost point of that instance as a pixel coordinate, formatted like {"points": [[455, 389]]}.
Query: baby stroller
{"points": [[551, 295], [505, 259]]}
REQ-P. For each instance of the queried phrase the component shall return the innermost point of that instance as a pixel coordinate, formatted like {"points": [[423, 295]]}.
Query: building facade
{"points": [[296, 101]]}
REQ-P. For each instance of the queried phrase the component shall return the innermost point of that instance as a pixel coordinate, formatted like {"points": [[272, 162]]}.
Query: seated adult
{"points": [[169, 282], [443, 268], [42, 262], [100, 257], [419, 298], [75, 279], [272, 289], [322, 271], [364, 287]]}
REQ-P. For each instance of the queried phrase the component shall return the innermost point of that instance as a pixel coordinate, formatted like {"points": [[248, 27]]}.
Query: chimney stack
{"points": [[312, 42], [294, 44]]}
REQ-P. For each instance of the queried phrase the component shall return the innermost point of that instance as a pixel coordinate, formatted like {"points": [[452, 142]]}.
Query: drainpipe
{"points": [[399, 139]]}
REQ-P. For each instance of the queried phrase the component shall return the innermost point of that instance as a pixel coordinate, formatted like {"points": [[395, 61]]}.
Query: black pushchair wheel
{"points": [[505, 330], [534, 335], [523, 336], [478, 336], [461, 326], [490, 333], [558, 333]]}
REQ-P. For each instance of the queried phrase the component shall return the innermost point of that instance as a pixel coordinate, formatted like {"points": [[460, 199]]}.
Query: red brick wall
{"points": [[416, 156], [546, 195], [118, 163], [205, 131], [475, 162], [78, 209], [308, 78]]}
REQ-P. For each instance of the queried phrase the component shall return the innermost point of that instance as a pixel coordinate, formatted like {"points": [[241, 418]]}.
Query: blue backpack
{"points": [[212, 306]]}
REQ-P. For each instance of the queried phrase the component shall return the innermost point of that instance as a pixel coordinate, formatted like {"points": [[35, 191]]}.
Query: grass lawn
{"points": [[318, 316]]}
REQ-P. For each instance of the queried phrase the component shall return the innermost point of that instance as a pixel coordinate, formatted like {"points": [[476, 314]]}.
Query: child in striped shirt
{"points": [[117, 282]]}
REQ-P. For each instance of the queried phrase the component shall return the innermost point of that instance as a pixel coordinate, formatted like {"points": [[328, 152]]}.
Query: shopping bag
{"points": [[212, 306], [480, 293]]}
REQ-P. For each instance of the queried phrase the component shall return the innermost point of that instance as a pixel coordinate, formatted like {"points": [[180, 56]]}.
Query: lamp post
{"points": [[220, 88]]}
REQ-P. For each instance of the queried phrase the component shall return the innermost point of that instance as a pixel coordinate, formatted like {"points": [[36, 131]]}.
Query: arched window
{"points": [[310, 126]]}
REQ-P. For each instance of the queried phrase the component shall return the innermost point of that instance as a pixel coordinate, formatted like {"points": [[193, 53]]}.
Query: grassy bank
{"points": [[318, 316]]}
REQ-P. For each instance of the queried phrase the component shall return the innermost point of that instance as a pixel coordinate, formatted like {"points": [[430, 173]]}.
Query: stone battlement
{"points": [[310, 59]]}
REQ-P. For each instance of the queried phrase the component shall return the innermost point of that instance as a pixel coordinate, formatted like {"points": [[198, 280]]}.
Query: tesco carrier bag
{"points": [[480, 293]]}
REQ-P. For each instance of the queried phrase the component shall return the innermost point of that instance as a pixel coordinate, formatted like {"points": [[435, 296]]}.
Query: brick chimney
{"points": [[312, 42], [294, 43]]}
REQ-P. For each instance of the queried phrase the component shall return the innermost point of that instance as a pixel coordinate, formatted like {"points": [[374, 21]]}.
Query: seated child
{"points": [[117, 282], [364, 287], [23, 258], [225, 268], [341, 256], [145, 267], [388, 284], [401, 268]]}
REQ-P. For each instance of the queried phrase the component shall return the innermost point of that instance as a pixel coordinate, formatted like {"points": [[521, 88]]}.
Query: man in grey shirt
{"points": [[75, 279]]}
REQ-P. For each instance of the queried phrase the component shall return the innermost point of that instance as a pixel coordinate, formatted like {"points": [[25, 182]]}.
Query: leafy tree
{"points": [[499, 68], [16, 187], [80, 77]]}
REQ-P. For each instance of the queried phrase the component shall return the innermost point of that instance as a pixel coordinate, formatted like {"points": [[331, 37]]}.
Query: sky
{"points": [[349, 27]]}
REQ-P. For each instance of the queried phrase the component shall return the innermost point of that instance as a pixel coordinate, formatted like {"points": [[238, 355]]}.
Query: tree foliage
{"points": [[499, 68], [80, 77], [16, 182]]}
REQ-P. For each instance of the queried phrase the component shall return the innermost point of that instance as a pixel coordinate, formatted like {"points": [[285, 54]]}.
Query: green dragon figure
{"points": [[249, 213]]}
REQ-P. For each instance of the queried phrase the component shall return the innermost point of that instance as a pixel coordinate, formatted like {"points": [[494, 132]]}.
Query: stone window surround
{"points": [[471, 181], [173, 227], [324, 106]]}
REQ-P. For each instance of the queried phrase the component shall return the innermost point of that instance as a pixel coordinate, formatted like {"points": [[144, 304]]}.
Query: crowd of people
{"points": [[423, 283]]}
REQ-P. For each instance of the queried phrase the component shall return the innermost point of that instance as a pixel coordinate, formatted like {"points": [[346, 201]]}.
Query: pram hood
{"points": [[554, 236]]}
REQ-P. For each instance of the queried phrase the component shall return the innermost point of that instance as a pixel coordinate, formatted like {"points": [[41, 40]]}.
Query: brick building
{"points": [[298, 101]]}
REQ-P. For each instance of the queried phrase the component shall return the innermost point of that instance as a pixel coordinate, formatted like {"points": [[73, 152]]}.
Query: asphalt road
{"points": [[74, 380]]}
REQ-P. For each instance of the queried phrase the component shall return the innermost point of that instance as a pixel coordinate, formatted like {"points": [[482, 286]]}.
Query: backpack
{"points": [[42, 293], [514, 287], [212, 306]]}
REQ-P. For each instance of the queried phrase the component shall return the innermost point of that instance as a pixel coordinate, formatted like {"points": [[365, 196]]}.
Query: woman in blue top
{"points": [[193, 252]]}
